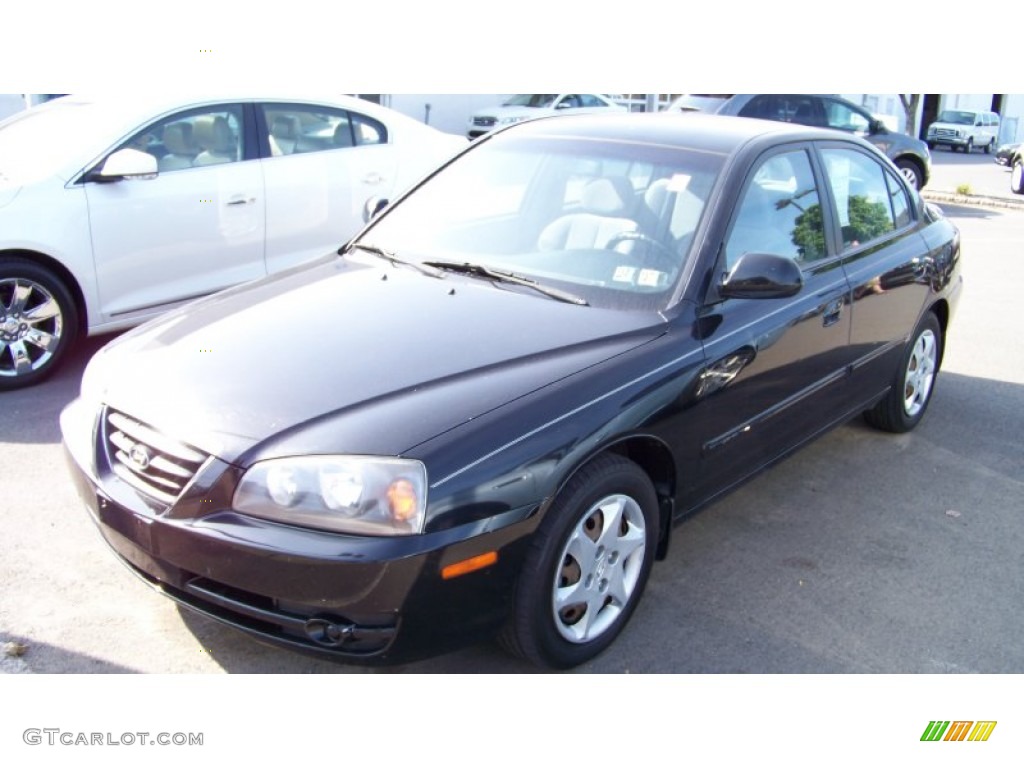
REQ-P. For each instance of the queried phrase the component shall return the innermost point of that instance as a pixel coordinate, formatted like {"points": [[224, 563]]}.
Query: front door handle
{"points": [[372, 178], [241, 200], [831, 313]]}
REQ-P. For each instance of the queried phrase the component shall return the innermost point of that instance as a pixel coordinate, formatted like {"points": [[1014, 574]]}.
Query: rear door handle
{"points": [[372, 178], [241, 200]]}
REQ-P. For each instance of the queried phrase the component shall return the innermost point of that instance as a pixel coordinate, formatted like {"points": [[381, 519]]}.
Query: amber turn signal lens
{"points": [[402, 500], [463, 567]]}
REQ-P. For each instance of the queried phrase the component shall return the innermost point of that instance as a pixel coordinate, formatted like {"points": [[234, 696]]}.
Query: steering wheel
{"points": [[660, 251]]}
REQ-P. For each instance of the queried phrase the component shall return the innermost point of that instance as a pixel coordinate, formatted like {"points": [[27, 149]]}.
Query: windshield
{"points": [[610, 222], [956, 117], [532, 100]]}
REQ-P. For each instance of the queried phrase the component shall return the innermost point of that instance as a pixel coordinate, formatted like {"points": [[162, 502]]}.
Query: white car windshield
{"points": [[957, 118], [532, 100], [610, 222]]}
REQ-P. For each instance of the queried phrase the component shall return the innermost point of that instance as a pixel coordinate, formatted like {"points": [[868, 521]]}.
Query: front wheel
{"points": [[587, 566], [1017, 176], [905, 404], [38, 322], [968, 146]]}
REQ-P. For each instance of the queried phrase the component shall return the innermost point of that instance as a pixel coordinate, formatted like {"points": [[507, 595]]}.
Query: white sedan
{"points": [[115, 210], [525, 106]]}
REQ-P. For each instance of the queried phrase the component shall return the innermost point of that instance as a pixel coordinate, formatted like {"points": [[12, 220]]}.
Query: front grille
{"points": [[945, 132], [151, 462], [486, 122]]}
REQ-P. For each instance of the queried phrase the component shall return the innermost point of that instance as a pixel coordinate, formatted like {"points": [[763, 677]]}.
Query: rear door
{"points": [[885, 258], [324, 163]]}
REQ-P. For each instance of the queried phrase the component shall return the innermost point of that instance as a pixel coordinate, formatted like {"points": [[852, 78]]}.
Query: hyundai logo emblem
{"points": [[139, 457]]}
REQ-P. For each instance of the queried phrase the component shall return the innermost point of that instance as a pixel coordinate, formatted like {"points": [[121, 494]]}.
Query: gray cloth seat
{"points": [[606, 203]]}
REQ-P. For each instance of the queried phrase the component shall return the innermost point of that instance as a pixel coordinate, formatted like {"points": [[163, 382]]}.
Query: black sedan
{"points": [[487, 412]]}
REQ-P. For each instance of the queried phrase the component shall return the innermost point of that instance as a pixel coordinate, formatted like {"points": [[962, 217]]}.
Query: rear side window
{"points": [[301, 128], [866, 200]]}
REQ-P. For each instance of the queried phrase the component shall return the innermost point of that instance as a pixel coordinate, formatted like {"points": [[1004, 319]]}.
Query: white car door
{"points": [[325, 163], [194, 228]]}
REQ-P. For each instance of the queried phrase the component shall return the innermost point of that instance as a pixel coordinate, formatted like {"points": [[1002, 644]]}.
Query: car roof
{"points": [[693, 130]]}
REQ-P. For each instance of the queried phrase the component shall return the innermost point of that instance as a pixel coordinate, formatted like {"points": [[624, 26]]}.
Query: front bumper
{"points": [[362, 599]]}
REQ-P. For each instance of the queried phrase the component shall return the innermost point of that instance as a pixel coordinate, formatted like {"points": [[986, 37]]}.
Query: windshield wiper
{"points": [[395, 259], [479, 270]]}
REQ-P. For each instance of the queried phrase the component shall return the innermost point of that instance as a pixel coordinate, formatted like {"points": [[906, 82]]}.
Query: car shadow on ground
{"points": [[31, 415]]}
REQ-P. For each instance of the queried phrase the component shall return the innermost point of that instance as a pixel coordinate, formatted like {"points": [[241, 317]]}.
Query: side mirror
{"points": [[762, 276], [127, 164], [876, 126], [372, 207]]}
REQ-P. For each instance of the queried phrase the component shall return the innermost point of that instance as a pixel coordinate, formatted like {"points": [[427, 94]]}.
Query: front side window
{"points": [[862, 194], [779, 212], [590, 100], [296, 129], [841, 117], [193, 139]]}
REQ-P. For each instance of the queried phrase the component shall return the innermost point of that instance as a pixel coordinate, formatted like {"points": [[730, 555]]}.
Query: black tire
{"points": [[989, 146], [904, 406], [931, 145], [1017, 176], [605, 509], [969, 146], [911, 172], [38, 322]]}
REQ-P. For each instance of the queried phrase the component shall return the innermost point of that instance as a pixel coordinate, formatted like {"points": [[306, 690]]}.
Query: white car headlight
{"points": [[366, 495]]}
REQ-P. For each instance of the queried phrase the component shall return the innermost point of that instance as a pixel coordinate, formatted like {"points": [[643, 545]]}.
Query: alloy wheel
{"points": [[599, 569]]}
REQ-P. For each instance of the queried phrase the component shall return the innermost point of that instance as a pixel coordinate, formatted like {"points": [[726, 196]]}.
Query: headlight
{"points": [[351, 494]]}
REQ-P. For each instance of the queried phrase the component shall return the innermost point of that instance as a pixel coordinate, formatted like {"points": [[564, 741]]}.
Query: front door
{"points": [[774, 367], [194, 228]]}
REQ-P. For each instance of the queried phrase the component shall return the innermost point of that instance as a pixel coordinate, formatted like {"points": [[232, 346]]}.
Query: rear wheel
{"points": [[989, 146], [1017, 176], [905, 404], [38, 322], [587, 566], [911, 172]]}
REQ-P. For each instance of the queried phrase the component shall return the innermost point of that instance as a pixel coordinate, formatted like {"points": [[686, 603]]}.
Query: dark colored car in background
{"points": [[908, 154], [1005, 152], [487, 412], [1016, 163]]}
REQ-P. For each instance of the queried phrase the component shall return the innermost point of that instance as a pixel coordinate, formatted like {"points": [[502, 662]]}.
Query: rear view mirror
{"points": [[127, 164], [762, 276]]}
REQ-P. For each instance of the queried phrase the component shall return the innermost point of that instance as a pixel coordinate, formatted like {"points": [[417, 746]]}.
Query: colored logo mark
{"points": [[958, 730]]}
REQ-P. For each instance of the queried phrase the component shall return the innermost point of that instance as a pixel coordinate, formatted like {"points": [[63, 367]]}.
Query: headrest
{"points": [[285, 127], [343, 135], [608, 196], [213, 134], [178, 139]]}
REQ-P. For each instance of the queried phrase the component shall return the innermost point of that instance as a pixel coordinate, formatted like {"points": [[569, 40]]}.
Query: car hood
{"points": [[357, 358]]}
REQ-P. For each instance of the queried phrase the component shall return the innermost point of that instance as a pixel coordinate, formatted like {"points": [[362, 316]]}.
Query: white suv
{"points": [[964, 129]]}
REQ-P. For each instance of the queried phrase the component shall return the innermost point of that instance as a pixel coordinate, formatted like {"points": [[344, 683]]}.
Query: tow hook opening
{"points": [[328, 632]]}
